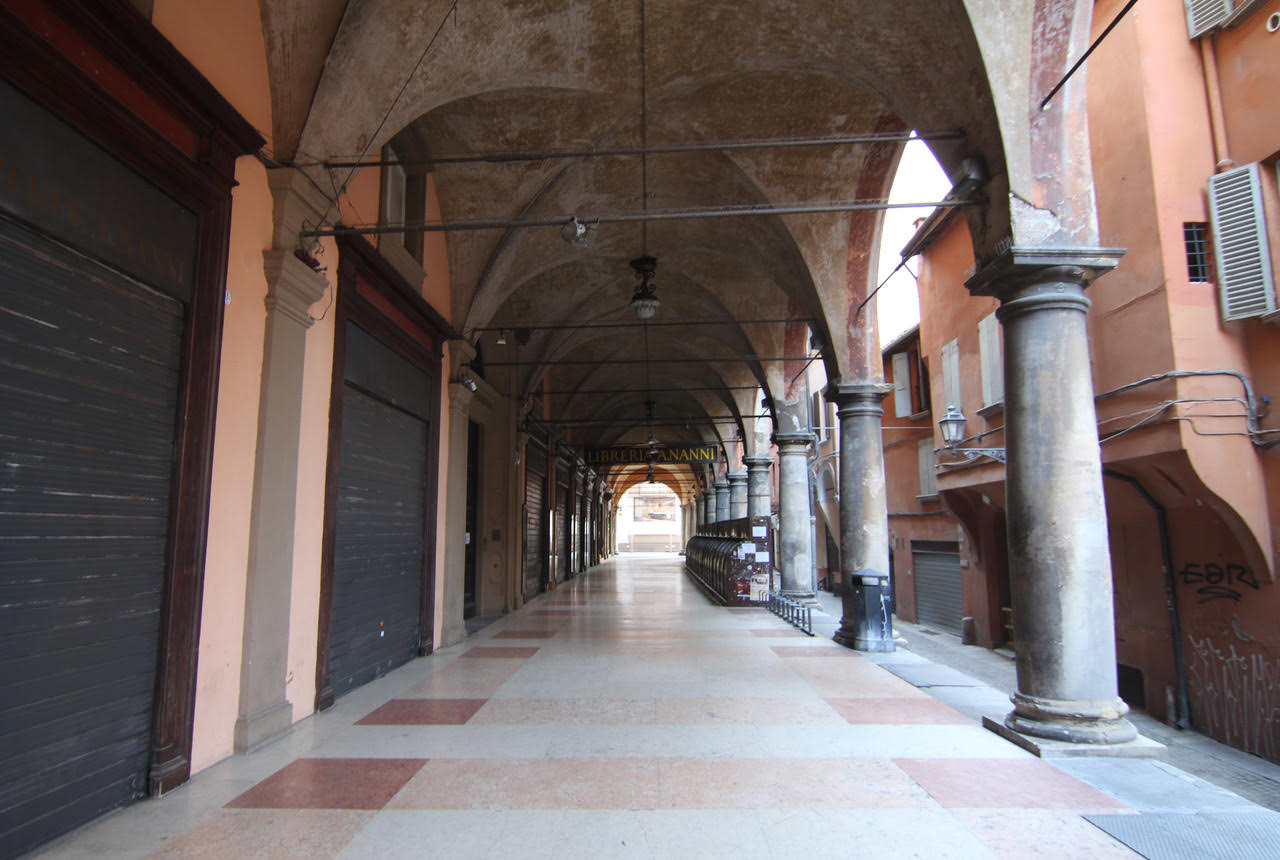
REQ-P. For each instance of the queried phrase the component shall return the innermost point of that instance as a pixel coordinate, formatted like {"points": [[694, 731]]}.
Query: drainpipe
{"points": [[1213, 91], [1182, 719]]}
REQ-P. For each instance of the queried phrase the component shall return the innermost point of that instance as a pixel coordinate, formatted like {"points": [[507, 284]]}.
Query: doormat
{"points": [[1198, 836]]}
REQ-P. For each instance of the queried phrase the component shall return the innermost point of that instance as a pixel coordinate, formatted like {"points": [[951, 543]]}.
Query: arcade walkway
{"points": [[623, 714]]}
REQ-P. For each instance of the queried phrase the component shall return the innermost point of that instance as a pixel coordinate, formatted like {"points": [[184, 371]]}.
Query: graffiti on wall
{"points": [[1218, 581], [1236, 697]]}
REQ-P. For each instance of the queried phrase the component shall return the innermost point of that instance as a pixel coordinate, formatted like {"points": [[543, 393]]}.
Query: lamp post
{"points": [[952, 425]]}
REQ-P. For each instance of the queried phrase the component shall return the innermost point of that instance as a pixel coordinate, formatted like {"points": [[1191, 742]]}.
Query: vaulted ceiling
{"points": [[482, 76]]}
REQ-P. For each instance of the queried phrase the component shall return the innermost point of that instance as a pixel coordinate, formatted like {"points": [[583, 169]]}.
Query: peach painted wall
{"points": [[235, 443], [1249, 76], [224, 41]]}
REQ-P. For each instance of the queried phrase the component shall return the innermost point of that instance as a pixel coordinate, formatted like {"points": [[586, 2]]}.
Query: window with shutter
{"points": [[901, 384], [1205, 15], [951, 374], [928, 467], [1245, 283], [992, 360]]}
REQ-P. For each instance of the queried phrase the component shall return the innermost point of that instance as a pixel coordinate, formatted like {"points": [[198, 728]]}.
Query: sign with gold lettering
{"points": [[623, 456], [57, 180]]}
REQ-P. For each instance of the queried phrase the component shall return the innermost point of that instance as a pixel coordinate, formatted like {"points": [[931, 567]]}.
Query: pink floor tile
{"points": [[526, 634], [810, 650], [331, 783], [809, 783], [1003, 784], [287, 834], [908, 712], [423, 712], [569, 712], [500, 652], [776, 632], [532, 784]]}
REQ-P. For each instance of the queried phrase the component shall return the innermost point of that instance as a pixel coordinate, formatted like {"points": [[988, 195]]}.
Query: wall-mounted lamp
{"points": [[575, 232], [952, 426], [467, 382], [502, 337]]}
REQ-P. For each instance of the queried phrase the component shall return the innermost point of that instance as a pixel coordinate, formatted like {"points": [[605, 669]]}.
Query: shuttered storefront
{"points": [[535, 485], [583, 531], [564, 526], [381, 514], [939, 601], [89, 373]]}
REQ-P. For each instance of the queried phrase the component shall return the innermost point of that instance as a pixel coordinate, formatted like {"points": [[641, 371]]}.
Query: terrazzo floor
{"points": [[625, 715]]}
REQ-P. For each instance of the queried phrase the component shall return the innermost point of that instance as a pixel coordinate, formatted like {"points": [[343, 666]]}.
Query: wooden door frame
{"points": [[372, 294], [103, 69]]}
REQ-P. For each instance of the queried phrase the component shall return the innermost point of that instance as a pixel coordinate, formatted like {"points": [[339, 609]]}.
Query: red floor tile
{"points": [[331, 783], [775, 632], [423, 712], [900, 712], [525, 634], [1003, 784], [507, 652]]}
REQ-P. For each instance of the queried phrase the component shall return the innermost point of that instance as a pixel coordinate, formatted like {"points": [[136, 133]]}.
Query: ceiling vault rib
{"points": [[594, 363], [631, 151], [654, 323], [695, 212]]}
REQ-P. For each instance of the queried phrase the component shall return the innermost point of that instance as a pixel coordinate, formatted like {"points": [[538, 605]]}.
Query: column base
{"points": [[263, 727], [851, 639], [806, 597], [1078, 721]]}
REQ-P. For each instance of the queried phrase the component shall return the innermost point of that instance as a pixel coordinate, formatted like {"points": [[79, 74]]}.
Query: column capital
{"points": [[737, 477], [857, 398], [1022, 266], [721, 485], [292, 286], [461, 354], [460, 398], [790, 440], [757, 462]]}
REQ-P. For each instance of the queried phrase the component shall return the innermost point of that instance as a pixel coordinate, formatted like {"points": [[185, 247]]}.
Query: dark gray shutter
{"points": [[564, 538], [535, 482], [88, 395], [380, 532], [939, 602]]}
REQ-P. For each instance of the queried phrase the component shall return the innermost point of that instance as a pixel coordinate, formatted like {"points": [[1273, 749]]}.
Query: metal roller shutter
{"points": [[89, 374], [378, 547], [535, 482], [564, 537], [939, 602]]}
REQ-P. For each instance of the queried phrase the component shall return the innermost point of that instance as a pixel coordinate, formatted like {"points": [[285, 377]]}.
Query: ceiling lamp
{"points": [[644, 302]]}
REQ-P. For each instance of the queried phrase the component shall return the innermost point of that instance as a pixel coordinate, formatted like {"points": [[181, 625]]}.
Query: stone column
{"points": [[722, 501], [865, 623], [709, 502], [698, 509], [737, 495], [759, 497], [793, 515], [453, 627], [292, 287], [1059, 561]]}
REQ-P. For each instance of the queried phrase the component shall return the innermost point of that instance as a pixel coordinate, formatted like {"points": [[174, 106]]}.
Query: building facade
{"points": [[1184, 357]]}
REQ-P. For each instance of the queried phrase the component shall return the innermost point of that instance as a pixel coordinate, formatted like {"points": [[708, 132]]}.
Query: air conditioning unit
{"points": [[1239, 203]]}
